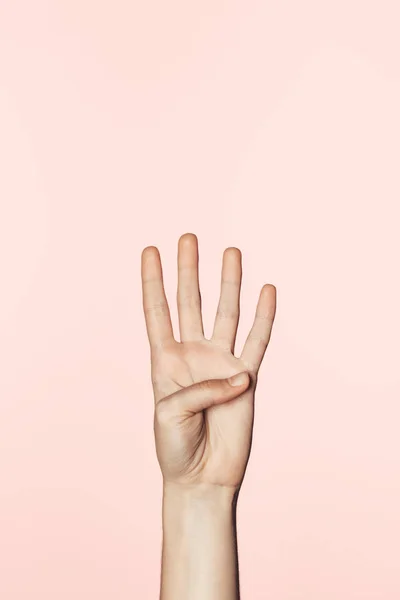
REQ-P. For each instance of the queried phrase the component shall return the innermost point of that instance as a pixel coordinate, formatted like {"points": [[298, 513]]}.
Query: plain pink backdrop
{"points": [[272, 126]]}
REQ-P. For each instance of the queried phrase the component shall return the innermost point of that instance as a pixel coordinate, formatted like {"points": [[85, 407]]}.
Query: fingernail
{"points": [[238, 379]]}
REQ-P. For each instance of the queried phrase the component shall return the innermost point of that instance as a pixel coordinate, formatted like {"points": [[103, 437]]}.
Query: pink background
{"points": [[272, 126]]}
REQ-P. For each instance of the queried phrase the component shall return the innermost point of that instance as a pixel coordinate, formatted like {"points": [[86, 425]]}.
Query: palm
{"points": [[229, 425], [218, 439], [180, 365]]}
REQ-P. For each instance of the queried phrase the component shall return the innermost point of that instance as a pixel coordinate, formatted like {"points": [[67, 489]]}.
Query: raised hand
{"points": [[202, 423]]}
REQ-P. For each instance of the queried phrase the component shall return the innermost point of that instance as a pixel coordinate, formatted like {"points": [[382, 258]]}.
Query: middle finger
{"points": [[188, 294]]}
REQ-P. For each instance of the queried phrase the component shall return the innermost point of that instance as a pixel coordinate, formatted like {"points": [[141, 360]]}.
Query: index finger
{"points": [[155, 305]]}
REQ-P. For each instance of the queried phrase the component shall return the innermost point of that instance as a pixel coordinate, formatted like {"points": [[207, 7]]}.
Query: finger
{"points": [[155, 305], [227, 318], [188, 294], [203, 395], [260, 333]]}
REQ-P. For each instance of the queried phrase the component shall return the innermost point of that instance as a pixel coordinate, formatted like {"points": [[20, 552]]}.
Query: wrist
{"points": [[199, 542], [200, 495]]}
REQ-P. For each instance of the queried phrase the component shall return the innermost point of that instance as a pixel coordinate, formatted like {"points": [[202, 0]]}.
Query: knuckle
{"points": [[206, 385], [189, 301], [163, 413], [226, 313], [259, 340], [158, 309], [267, 317]]}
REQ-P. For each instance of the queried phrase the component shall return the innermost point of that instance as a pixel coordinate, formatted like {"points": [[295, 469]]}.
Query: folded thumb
{"points": [[209, 393]]}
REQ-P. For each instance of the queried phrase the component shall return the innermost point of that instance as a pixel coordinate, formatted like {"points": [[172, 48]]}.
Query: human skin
{"points": [[202, 423]]}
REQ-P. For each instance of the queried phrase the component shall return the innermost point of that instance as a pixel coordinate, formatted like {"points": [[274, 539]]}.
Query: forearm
{"points": [[199, 554]]}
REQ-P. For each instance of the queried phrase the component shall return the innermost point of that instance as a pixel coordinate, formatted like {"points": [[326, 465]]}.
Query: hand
{"points": [[202, 424]]}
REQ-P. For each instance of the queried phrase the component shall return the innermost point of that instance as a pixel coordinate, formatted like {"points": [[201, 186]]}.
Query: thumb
{"points": [[210, 392]]}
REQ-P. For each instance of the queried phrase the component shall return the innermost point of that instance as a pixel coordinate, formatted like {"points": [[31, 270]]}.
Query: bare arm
{"points": [[203, 420], [199, 559]]}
